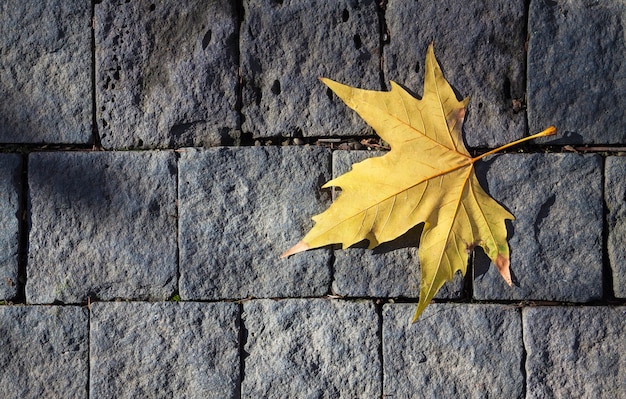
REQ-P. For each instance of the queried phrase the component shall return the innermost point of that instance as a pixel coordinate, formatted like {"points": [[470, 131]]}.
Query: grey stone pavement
{"points": [[156, 158]]}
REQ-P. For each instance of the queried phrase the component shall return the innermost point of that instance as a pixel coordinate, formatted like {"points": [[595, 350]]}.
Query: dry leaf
{"points": [[427, 177]]}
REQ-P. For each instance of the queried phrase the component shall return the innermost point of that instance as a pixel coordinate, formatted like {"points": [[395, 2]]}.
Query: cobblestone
{"points": [[281, 92], [240, 208], [453, 351], [311, 349], [556, 239], [45, 66], [583, 92], [575, 352], [44, 352], [161, 350], [166, 73], [103, 226]]}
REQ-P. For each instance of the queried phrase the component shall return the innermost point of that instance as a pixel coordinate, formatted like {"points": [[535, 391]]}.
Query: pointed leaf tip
{"points": [[299, 247], [502, 264]]}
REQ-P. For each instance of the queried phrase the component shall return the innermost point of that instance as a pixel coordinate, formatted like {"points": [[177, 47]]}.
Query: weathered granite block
{"points": [[556, 238], [575, 352], [480, 47], [311, 348], [453, 351], [44, 352], [166, 73], [158, 350], [240, 208], [576, 70], [10, 171], [615, 199], [45, 71], [103, 226], [287, 45], [389, 270]]}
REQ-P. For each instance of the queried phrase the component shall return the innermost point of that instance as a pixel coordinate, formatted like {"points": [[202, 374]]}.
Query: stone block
{"points": [[575, 352], [240, 209], [287, 45], [556, 238], [576, 70], [103, 225], [480, 47], [157, 350], [166, 73], [615, 199], [389, 270], [311, 348], [45, 352], [45, 72], [453, 351], [10, 177]]}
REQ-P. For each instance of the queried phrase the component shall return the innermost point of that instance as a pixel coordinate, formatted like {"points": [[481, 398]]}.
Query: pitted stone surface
{"points": [[45, 71], [287, 45], [556, 238], [576, 70], [615, 198], [10, 170], [316, 348], [157, 350], [480, 47], [103, 226], [389, 270], [575, 352], [452, 351], [44, 352], [166, 73], [240, 208]]}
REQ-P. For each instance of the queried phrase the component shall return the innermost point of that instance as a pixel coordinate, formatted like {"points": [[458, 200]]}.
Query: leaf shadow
{"points": [[482, 170], [410, 239], [408, 90]]}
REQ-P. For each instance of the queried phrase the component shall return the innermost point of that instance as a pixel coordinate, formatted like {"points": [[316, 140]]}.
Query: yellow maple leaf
{"points": [[427, 177]]}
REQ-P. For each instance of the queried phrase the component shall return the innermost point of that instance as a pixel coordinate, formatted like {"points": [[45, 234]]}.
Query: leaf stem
{"points": [[548, 132]]}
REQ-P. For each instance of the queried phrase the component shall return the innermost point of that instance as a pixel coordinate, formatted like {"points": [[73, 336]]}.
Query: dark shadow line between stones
{"points": [[378, 305], [524, 357], [608, 291], [177, 224], [331, 271], [383, 39], [24, 223], [95, 134], [243, 339], [88, 337]]}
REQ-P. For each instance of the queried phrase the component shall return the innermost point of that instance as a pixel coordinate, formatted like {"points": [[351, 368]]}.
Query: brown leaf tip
{"points": [[502, 264], [299, 247]]}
